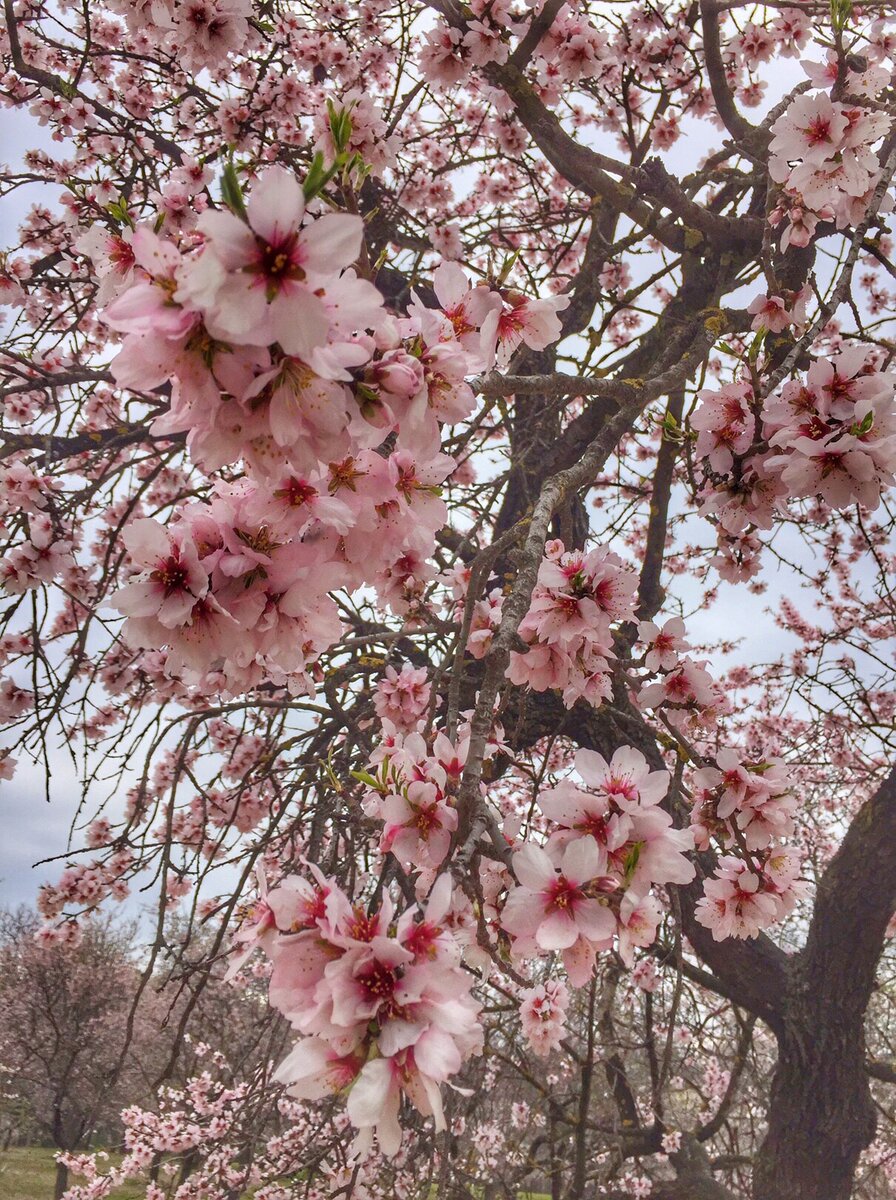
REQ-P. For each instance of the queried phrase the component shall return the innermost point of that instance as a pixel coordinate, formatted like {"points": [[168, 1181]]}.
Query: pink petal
{"points": [[332, 242], [557, 931], [579, 962], [277, 204], [594, 920], [533, 868], [370, 1094], [437, 1054], [592, 767], [138, 599], [308, 1057], [581, 860]]}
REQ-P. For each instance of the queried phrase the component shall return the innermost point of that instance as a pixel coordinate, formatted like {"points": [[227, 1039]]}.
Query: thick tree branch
{"points": [[740, 129]]}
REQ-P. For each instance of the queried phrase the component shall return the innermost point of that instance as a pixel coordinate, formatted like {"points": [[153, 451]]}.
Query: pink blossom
{"points": [[811, 129], [206, 31], [558, 908], [172, 578], [543, 1016], [734, 903], [639, 918], [256, 281], [665, 643], [523, 321], [402, 697], [419, 824], [725, 424], [771, 313]]}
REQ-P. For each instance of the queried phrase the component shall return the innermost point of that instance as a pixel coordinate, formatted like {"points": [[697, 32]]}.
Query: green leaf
{"points": [[340, 126], [863, 426], [366, 778], [318, 176], [630, 861], [354, 165], [841, 14], [756, 344], [232, 192], [671, 428], [507, 267], [118, 210]]}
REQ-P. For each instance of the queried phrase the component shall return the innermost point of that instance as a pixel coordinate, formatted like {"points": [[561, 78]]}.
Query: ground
{"points": [[28, 1172]]}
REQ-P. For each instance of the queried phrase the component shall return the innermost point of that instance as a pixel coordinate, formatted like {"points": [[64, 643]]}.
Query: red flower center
{"points": [[563, 894], [278, 261], [171, 574]]}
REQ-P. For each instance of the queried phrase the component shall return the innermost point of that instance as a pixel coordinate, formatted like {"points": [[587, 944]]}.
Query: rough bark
{"points": [[821, 1116]]}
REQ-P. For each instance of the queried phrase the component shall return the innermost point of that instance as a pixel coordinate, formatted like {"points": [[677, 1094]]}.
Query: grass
{"points": [[29, 1173]]}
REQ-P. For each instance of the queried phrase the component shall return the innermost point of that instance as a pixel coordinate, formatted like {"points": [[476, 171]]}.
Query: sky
{"points": [[30, 828]]}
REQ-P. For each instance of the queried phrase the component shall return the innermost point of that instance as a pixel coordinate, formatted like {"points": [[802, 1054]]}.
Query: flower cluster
{"points": [[85, 886], [740, 900], [684, 691], [280, 355], [42, 558], [485, 615], [737, 493], [381, 1003], [200, 33], [402, 697], [543, 1015], [823, 159], [568, 628], [748, 808], [835, 433], [204, 1122], [592, 882], [830, 435], [411, 788], [754, 801], [239, 586]]}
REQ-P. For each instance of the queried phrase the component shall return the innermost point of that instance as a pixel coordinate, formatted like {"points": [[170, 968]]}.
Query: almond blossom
{"points": [[542, 1015], [255, 280], [172, 578], [569, 622], [402, 697], [385, 1012], [740, 902], [559, 907], [377, 389]]}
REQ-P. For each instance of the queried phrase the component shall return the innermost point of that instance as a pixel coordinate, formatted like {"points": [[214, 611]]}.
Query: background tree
{"points": [[66, 1023]]}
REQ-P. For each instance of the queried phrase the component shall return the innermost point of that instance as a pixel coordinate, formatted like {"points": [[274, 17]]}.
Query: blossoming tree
{"points": [[404, 406]]}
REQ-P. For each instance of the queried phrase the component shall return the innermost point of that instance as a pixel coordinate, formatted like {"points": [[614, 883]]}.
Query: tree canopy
{"points": [[446, 494]]}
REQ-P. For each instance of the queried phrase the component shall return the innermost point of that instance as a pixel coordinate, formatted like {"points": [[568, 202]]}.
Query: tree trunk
{"points": [[61, 1185], [814, 1138], [821, 1116], [556, 1169]]}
